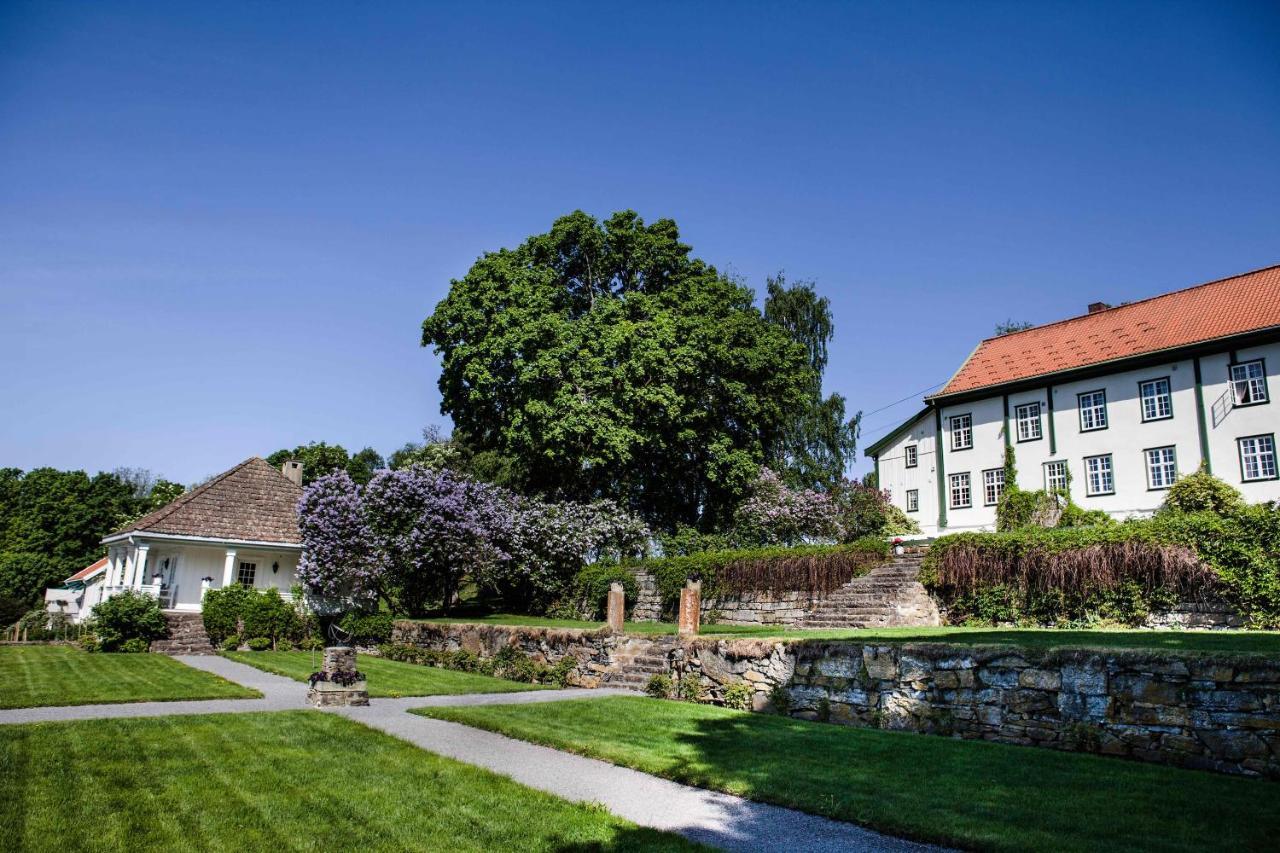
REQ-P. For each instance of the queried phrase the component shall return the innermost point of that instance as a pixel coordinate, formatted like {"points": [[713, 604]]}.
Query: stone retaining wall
{"points": [[1209, 712], [748, 608]]}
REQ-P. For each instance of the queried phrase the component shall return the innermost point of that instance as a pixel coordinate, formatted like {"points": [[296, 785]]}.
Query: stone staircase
{"points": [[638, 660], [186, 636], [890, 595]]}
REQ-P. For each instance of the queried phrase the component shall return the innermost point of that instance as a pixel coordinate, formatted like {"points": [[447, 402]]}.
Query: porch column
{"points": [[140, 566], [126, 570], [229, 569]]}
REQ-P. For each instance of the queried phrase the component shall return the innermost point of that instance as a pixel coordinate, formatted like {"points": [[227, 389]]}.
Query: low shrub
{"points": [[230, 644], [659, 686], [311, 643], [90, 642], [1202, 492], [779, 701], [367, 629], [134, 646], [689, 688], [259, 644], [814, 569], [129, 615], [591, 588], [738, 695], [233, 609], [559, 674], [1112, 572]]}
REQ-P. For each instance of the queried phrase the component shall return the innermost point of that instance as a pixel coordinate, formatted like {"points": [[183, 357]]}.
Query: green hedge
{"points": [[591, 587], [1119, 572], [265, 614], [806, 568]]}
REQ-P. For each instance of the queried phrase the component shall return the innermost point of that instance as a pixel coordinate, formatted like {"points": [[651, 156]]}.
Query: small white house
{"points": [[79, 593], [241, 527], [1113, 405]]}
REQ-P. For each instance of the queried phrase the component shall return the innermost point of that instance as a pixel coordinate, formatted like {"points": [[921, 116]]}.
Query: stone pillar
{"points": [[338, 683], [229, 569], [617, 611], [690, 607]]}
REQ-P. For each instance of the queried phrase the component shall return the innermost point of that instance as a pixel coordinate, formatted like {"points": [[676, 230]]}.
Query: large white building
{"points": [[1114, 405]]}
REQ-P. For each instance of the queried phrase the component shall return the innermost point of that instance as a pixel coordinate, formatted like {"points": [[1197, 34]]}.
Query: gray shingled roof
{"points": [[253, 501]]}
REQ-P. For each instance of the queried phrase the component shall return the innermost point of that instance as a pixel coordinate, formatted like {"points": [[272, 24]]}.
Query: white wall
{"points": [[1126, 438], [195, 561], [897, 478]]}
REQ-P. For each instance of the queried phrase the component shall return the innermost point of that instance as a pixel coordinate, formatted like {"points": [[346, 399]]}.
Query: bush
{"points": [[659, 686], [230, 644], [1202, 492], [1114, 572], [591, 587], [367, 629], [90, 643], [134, 646], [264, 614], [311, 643], [222, 610], [559, 674], [128, 615], [738, 695], [259, 644], [779, 701], [689, 688]]}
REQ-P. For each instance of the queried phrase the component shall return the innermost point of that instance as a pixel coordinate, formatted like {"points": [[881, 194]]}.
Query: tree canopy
{"points": [[319, 459], [603, 360], [52, 523], [818, 444]]}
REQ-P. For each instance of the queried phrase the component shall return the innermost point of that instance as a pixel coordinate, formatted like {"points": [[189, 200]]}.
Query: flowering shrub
{"points": [[774, 514], [410, 537]]}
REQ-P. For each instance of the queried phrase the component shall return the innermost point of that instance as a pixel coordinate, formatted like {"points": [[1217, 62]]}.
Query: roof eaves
{"points": [[880, 444]]}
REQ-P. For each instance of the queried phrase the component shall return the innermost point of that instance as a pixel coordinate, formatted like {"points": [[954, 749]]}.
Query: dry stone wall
{"points": [[1207, 712]]}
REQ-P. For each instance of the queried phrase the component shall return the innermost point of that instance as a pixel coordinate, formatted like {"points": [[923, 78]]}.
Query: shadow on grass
{"points": [[973, 794]]}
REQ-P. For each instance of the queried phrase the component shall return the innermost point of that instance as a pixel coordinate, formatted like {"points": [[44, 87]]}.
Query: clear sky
{"points": [[222, 224]]}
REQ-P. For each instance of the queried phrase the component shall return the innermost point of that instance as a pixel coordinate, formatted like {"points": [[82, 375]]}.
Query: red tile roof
{"points": [[253, 502], [1218, 309], [87, 571]]}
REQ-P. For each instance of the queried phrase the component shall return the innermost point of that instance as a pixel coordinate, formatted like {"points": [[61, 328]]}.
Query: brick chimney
{"points": [[1095, 307], [292, 469]]}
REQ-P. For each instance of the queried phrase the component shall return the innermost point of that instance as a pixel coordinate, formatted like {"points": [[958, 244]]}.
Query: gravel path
{"points": [[720, 820]]}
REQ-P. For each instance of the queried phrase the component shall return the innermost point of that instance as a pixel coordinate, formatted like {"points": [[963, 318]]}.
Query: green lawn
{"points": [[386, 677], [297, 780], [62, 675], [1262, 642], [971, 794]]}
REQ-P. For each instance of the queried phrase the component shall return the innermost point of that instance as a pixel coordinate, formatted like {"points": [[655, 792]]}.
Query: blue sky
{"points": [[222, 224]]}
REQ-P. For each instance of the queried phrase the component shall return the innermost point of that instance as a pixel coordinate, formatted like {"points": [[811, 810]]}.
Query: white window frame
{"points": [[1097, 411], [1106, 474], [1249, 388], [965, 431], [249, 571], [1156, 405], [992, 486], [1028, 415], [911, 456], [1049, 478], [1260, 450], [1162, 467], [960, 483], [913, 500]]}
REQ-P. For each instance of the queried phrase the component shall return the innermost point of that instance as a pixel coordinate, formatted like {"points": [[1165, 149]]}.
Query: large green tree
{"points": [[52, 523], [602, 359], [818, 443]]}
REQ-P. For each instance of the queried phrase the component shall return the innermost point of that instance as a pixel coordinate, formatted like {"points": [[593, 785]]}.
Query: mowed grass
{"points": [[1227, 642], [32, 676], [297, 780], [970, 794], [387, 678]]}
